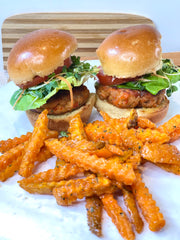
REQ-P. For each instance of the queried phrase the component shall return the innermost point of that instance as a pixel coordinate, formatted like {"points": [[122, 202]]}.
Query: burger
{"points": [[48, 77], [134, 75]]}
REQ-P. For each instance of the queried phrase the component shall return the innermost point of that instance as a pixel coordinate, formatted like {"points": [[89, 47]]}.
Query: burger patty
{"points": [[127, 98], [61, 103]]}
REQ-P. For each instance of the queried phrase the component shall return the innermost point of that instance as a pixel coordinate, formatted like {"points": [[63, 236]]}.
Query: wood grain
{"points": [[175, 56], [89, 28]]}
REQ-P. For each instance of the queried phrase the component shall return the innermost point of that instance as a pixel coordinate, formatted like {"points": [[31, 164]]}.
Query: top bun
{"points": [[131, 52], [39, 53]]}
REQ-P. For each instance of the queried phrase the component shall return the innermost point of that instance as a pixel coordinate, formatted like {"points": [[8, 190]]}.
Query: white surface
{"points": [[165, 14], [27, 216]]}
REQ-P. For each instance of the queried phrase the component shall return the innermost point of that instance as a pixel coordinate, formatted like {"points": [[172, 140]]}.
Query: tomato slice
{"points": [[109, 80], [67, 63], [37, 79]]}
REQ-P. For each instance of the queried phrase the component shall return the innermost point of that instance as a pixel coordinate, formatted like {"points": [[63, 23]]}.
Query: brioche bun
{"points": [[131, 52], [39, 53], [61, 122], [155, 114]]}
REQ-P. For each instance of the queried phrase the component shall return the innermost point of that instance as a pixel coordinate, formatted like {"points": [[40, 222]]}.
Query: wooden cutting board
{"points": [[89, 28]]}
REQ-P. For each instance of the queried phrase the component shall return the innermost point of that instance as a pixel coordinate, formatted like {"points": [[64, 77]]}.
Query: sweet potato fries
{"points": [[100, 162]]}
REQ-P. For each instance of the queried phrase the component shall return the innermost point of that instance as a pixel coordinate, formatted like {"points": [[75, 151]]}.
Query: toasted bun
{"points": [[39, 53], [61, 122], [131, 52], [155, 114]]}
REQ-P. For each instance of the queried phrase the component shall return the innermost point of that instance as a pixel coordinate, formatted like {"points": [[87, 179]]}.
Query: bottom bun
{"points": [[155, 114], [61, 122]]}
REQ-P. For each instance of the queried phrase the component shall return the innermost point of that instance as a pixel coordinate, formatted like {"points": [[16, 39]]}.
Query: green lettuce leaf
{"points": [[35, 97], [164, 78]]}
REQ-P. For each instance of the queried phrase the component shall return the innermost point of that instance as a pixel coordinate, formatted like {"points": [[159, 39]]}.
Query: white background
{"points": [[165, 14]]}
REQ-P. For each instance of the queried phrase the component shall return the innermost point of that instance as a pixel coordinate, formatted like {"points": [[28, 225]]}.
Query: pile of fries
{"points": [[97, 161]]}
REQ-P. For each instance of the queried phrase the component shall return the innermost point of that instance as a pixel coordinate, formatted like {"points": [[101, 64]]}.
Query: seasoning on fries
{"points": [[97, 161]]}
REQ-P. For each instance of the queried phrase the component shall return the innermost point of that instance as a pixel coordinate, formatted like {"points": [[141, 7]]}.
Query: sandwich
{"points": [[134, 75], [49, 77]]}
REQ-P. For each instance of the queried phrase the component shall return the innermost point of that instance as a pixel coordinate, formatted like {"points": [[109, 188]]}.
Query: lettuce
{"points": [[35, 97], [165, 78]]}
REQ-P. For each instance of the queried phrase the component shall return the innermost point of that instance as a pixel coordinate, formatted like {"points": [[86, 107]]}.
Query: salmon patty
{"points": [[127, 98], [61, 103]]}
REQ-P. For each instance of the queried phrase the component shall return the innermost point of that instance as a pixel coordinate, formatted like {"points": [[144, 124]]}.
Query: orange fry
{"points": [[94, 214], [174, 135], [120, 172], [161, 153], [145, 123], [101, 131], [51, 134], [54, 175], [76, 128], [6, 145], [43, 155], [151, 135], [118, 217], [148, 206], [11, 169], [132, 120], [40, 188], [103, 152], [115, 149], [132, 209], [171, 125], [75, 189], [85, 145], [35, 143], [173, 168], [127, 136], [8, 157], [117, 124]]}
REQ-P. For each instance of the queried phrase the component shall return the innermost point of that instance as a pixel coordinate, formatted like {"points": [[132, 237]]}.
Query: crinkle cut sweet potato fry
{"points": [[74, 189], [40, 188], [85, 145], [171, 125], [117, 124], [43, 155], [161, 153], [174, 135], [11, 169], [120, 172], [118, 216], [148, 206], [151, 135], [130, 203], [35, 143], [132, 120], [8, 157], [76, 128], [94, 214], [145, 123], [6, 145], [54, 175], [115, 149], [101, 131], [172, 168]]}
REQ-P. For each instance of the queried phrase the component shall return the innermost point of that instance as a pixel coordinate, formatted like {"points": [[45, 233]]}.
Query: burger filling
{"points": [[146, 91], [61, 102], [128, 98], [62, 84]]}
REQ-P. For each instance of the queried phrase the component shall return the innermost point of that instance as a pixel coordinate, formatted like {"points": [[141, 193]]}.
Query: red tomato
{"points": [[109, 80], [37, 79], [67, 63]]}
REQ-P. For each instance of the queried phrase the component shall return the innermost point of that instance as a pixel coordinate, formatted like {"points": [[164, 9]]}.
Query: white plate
{"points": [[27, 216]]}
